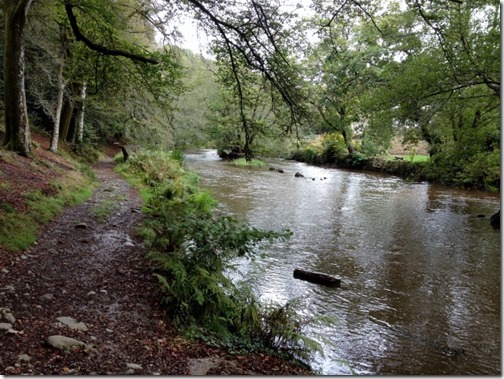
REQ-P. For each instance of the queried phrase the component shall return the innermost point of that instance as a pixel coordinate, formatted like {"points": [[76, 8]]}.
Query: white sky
{"points": [[197, 41], [194, 39]]}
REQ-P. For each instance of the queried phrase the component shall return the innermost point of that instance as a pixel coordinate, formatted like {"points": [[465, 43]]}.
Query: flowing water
{"points": [[420, 266]]}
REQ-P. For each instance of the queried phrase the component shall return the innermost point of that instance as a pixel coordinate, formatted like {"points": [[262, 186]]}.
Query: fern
{"points": [[192, 247]]}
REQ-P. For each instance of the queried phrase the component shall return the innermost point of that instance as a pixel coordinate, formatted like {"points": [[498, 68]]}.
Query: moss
{"points": [[19, 230]]}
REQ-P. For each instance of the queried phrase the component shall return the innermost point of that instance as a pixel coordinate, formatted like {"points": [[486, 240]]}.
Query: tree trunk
{"points": [[57, 111], [17, 128], [348, 141], [346, 132], [61, 92], [71, 130], [80, 113], [66, 119], [317, 277]]}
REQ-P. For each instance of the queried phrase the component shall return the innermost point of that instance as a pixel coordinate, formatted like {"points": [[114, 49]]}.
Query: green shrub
{"points": [[192, 248], [482, 171], [87, 152], [252, 163]]}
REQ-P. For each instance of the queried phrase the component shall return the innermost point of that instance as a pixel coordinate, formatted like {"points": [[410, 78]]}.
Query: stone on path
{"points": [[201, 366], [5, 326], [132, 368], [6, 315], [72, 323], [24, 358], [65, 343]]}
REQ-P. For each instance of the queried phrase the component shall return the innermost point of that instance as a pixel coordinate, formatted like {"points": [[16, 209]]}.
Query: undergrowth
{"points": [[18, 230], [252, 163], [192, 246]]}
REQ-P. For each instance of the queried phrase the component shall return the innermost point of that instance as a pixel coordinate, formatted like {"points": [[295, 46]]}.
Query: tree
{"points": [[253, 36], [17, 135], [192, 107], [250, 33], [344, 68], [17, 130]]}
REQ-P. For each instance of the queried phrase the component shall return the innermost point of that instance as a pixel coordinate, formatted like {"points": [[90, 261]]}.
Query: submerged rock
{"points": [[495, 220]]}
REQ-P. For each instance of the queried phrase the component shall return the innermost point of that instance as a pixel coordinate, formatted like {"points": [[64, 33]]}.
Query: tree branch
{"points": [[99, 48], [251, 55]]}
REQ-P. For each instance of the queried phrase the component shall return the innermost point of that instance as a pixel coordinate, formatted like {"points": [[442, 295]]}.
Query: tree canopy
{"points": [[365, 71]]}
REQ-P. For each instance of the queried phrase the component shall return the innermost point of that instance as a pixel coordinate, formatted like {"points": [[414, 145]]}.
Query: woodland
{"points": [[320, 82], [326, 82]]}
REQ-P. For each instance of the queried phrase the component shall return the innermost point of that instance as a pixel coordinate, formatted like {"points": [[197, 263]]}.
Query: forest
{"points": [[409, 87], [324, 82]]}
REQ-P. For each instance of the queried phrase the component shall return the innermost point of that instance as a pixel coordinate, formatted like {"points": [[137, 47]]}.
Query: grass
{"points": [[19, 230], [104, 209], [410, 158], [135, 181], [253, 163]]}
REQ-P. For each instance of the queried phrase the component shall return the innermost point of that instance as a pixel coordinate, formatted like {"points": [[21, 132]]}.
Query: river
{"points": [[419, 265]]}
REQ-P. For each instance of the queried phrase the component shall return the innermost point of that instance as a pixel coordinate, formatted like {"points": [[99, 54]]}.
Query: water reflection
{"points": [[420, 270]]}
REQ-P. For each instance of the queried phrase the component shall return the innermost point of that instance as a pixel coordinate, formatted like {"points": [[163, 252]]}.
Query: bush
{"points": [[251, 163], [192, 247]]}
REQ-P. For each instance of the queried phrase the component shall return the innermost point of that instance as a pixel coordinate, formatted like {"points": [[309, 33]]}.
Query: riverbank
{"points": [[420, 171], [416, 263], [82, 299]]}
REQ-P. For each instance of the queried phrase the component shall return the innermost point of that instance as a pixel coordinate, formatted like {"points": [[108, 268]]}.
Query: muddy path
{"points": [[87, 284], [88, 266]]}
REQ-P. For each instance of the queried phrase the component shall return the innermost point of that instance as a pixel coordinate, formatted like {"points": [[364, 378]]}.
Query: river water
{"points": [[420, 267]]}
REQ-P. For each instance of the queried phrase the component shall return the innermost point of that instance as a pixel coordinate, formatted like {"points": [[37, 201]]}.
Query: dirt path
{"points": [[86, 266], [88, 279]]}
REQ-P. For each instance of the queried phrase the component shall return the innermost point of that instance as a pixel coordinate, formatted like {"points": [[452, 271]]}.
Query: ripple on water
{"points": [[418, 267]]}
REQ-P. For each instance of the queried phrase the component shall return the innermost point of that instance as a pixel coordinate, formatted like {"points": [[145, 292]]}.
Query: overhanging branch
{"points": [[99, 48]]}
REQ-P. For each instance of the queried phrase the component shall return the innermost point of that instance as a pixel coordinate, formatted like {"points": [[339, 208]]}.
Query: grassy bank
{"points": [[34, 191], [447, 166]]}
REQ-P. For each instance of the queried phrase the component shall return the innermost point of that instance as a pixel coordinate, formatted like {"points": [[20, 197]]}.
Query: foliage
{"points": [[325, 148], [376, 69], [243, 119], [261, 87], [252, 163], [382, 69], [283, 329], [190, 123], [125, 97], [192, 247]]}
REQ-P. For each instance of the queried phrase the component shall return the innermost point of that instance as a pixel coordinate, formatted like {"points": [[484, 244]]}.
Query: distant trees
{"points": [[428, 69]]}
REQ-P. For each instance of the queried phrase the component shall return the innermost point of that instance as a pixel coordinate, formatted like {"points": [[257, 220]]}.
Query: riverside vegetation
{"points": [[72, 239], [193, 247]]}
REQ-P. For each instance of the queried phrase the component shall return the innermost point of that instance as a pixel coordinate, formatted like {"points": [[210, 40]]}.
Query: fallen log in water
{"points": [[317, 277]]}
